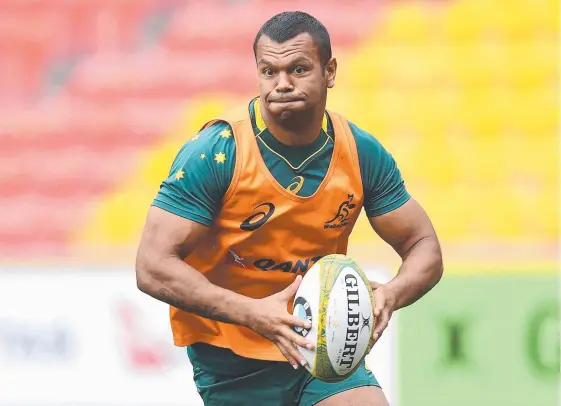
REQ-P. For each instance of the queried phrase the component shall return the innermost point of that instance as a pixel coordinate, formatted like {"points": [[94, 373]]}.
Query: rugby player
{"points": [[251, 202]]}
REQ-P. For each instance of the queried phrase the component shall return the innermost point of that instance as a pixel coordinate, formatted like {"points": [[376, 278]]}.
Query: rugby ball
{"points": [[336, 297]]}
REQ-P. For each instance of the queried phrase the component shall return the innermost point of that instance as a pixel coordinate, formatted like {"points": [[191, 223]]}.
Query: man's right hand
{"points": [[271, 320]]}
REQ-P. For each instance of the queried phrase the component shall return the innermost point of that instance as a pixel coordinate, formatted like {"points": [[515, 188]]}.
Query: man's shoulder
{"points": [[214, 137], [212, 150], [217, 131], [366, 142]]}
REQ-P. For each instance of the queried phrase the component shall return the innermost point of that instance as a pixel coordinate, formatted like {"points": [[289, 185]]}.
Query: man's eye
{"points": [[268, 72], [299, 70]]}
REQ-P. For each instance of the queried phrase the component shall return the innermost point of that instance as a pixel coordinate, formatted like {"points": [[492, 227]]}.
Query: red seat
{"points": [[26, 44], [70, 123], [216, 25], [28, 8], [57, 157], [105, 24], [63, 172], [164, 75], [34, 32], [34, 160], [79, 26], [36, 225]]}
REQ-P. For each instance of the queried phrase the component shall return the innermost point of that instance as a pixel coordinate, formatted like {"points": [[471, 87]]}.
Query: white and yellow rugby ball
{"points": [[336, 297]]}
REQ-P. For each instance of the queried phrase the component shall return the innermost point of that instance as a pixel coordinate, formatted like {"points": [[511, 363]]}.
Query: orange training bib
{"points": [[265, 235]]}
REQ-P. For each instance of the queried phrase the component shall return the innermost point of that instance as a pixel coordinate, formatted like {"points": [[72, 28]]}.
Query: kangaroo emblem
{"points": [[342, 215]]}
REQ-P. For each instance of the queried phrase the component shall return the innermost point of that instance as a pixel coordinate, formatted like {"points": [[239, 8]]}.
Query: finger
{"points": [[288, 357], [296, 338], [293, 351], [297, 322], [374, 285], [381, 324], [281, 344], [291, 289], [379, 302], [286, 354]]}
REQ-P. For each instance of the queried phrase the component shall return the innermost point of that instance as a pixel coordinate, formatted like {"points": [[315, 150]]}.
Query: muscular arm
{"points": [[162, 274], [409, 231]]}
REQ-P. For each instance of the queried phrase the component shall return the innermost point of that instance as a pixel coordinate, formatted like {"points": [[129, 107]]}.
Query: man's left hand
{"points": [[385, 302]]}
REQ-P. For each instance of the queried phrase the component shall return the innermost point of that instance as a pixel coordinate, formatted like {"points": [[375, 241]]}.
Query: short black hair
{"points": [[284, 26]]}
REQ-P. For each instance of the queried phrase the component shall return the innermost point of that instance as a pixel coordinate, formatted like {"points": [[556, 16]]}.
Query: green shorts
{"points": [[224, 378]]}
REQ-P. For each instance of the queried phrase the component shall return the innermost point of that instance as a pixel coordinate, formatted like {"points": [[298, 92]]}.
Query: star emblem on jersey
{"points": [[341, 219], [203, 156], [226, 133], [179, 174], [220, 157]]}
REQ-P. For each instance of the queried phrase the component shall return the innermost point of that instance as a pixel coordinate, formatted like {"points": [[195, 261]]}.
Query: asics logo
{"points": [[256, 220]]}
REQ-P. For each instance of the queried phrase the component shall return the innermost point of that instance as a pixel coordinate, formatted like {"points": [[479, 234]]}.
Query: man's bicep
{"points": [[166, 234], [403, 227]]}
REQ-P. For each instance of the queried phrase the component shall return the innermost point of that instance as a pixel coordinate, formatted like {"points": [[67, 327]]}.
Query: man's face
{"points": [[292, 79]]}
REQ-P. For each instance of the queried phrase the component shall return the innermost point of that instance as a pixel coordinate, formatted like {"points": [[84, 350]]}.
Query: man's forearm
{"points": [[420, 271], [185, 288]]}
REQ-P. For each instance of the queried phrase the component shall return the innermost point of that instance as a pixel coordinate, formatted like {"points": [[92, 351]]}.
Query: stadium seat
{"points": [[105, 25], [34, 226], [57, 153], [24, 52], [85, 25], [162, 75], [63, 172], [70, 123], [34, 34], [218, 25]]}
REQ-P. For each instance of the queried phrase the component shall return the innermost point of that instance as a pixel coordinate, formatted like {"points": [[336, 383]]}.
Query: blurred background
{"points": [[97, 96]]}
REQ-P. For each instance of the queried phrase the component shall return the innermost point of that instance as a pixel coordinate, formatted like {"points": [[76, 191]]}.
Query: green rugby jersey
{"points": [[203, 169]]}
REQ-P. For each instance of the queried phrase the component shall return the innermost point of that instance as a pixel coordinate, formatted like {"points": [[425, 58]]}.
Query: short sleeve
{"points": [[200, 175], [384, 188]]}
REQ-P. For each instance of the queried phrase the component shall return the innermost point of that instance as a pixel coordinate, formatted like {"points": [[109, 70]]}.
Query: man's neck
{"points": [[304, 135]]}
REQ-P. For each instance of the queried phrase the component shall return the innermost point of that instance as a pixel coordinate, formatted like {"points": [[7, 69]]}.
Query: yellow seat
{"points": [[462, 21], [407, 24]]}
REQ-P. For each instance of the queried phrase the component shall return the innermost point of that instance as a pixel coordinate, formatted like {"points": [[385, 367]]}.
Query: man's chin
{"points": [[294, 119], [287, 115]]}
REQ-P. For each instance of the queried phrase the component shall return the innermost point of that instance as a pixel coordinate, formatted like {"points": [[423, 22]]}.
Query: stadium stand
{"points": [[58, 153], [94, 99]]}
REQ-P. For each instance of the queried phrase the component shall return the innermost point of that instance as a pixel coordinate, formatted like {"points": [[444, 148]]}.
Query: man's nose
{"points": [[284, 84]]}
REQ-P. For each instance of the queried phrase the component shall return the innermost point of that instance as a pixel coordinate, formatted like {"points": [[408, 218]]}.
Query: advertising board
{"points": [[80, 336], [488, 340]]}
